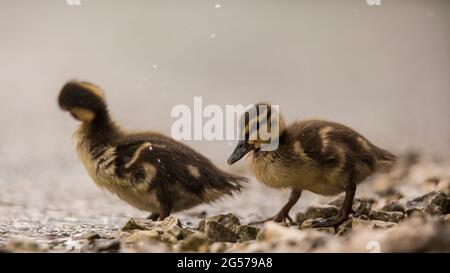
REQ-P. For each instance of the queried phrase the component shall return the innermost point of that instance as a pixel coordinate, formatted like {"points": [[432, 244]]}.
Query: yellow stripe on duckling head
{"points": [[94, 89], [82, 114]]}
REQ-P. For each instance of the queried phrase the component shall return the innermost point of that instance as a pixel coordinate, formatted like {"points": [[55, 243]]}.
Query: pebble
{"points": [[433, 203], [387, 216]]}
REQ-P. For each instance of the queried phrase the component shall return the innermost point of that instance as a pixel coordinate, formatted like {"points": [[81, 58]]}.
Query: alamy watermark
{"points": [[73, 2], [374, 2], [258, 123]]}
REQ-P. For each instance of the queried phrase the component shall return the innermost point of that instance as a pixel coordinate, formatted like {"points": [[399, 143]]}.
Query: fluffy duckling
{"points": [[148, 170], [323, 157]]}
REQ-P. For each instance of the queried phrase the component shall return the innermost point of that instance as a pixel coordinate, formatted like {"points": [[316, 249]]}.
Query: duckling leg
{"points": [[165, 212], [153, 216], [343, 212], [165, 206], [283, 214]]}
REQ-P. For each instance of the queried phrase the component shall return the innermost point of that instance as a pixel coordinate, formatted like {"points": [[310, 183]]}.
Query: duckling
{"points": [[148, 170], [323, 157]]}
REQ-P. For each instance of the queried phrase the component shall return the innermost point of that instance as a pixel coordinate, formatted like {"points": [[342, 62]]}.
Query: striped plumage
{"points": [[323, 157], [150, 171]]}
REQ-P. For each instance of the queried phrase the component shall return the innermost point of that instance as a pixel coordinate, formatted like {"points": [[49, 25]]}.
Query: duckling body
{"points": [[148, 170], [317, 155], [323, 157]]}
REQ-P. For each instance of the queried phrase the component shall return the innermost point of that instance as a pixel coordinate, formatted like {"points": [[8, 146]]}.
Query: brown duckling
{"points": [[148, 170], [323, 157]]}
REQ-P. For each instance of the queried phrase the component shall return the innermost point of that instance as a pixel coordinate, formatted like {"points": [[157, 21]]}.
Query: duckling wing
{"points": [[177, 166], [335, 146]]}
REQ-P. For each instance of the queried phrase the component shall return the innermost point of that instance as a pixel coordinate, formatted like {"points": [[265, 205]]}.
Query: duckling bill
{"points": [[148, 170], [320, 156]]}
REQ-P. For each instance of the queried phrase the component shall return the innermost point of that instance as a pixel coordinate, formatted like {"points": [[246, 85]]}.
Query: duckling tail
{"points": [[385, 160], [224, 184], [230, 183], [235, 181]]}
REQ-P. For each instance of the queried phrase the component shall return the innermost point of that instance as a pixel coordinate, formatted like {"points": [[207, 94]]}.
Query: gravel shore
{"points": [[406, 210]]}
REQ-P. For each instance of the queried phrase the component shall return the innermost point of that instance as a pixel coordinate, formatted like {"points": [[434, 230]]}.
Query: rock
{"points": [[142, 236], [228, 220], [90, 236], [427, 234], [363, 217], [345, 227], [140, 224], [170, 230], [371, 224], [307, 224], [394, 205], [315, 212], [219, 247], [146, 247], [217, 232], [172, 227], [246, 233], [103, 245], [276, 238], [195, 242], [444, 186], [387, 216], [239, 247], [23, 245], [447, 218], [433, 203], [360, 206]]}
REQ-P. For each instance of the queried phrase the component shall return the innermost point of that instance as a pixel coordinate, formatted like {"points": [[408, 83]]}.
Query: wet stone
{"points": [[314, 212], [307, 224], [140, 224], [371, 224], [195, 242], [394, 205], [23, 245], [228, 220], [360, 206], [90, 236], [103, 246], [246, 233], [387, 216], [434, 203], [345, 227], [172, 227], [143, 235], [217, 232], [219, 247]]}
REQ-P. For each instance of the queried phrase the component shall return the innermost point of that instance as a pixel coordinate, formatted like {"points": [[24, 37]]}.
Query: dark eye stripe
{"points": [[255, 123]]}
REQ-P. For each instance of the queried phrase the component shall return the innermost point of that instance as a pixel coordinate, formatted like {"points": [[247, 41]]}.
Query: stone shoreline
{"points": [[407, 210]]}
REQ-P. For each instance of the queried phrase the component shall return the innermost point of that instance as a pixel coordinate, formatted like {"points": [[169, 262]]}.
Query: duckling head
{"points": [[85, 101], [262, 126]]}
